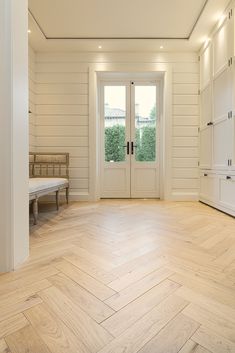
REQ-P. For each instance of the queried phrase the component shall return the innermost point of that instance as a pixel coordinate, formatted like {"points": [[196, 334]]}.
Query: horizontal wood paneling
{"points": [[70, 99], [185, 88], [62, 108], [62, 120], [185, 141], [62, 88], [66, 131], [185, 163], [54, 141], [182, 60], [61, 77], [185, 99], [185, 77], [185, 131], [186, 120]]}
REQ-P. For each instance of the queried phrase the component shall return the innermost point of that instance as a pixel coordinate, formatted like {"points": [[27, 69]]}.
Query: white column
{"points": [[14, 232]]}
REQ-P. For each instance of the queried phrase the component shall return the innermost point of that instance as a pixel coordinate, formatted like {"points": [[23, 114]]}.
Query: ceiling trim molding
{"points": [[122, 38]]}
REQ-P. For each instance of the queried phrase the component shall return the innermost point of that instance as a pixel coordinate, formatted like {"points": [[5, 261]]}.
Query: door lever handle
{"points": [[127, 146], [132, 147]]}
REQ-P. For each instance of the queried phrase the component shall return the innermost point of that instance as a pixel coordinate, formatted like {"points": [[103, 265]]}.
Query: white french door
{"points": [[129, 139]]}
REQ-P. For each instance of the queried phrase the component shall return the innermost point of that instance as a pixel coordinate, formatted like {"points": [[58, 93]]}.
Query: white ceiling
{"points": [[123, 25]]}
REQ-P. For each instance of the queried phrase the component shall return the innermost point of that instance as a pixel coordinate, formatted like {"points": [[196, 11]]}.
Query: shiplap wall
{"points": [[32, 101], [62, 86]]}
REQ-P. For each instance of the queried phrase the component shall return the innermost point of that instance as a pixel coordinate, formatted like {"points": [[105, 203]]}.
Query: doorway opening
{"points": [[130, 137]]}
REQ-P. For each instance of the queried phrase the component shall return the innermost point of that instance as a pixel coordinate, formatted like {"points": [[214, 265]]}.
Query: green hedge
{"points": [[115, 140]]}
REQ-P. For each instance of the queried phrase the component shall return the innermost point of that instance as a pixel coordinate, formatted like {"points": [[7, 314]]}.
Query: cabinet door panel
{"points": [[221, 144], [206, 106], [221, 48], [222, 95], [208, 187], [227, 192], [205, 66], [205, 148]]}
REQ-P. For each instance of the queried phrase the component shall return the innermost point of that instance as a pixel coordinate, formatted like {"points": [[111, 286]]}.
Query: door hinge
{"points": [[199, 58], [199, 92]]}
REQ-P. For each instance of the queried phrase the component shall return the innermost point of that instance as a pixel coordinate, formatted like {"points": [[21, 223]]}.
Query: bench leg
{"points": [[67, 195], [57, 200], [35, 211]]}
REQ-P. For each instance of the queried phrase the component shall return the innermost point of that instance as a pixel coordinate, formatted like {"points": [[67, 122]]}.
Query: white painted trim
{"points": [[184, 196], [94, 169], [73, 196], [14, 213]]}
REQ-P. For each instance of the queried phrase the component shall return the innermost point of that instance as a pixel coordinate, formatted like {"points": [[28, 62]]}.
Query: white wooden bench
{"points": [[48, 172]]}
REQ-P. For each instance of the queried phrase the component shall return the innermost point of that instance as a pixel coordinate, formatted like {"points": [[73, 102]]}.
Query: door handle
{"points": [[132, 147], [127, 146]]}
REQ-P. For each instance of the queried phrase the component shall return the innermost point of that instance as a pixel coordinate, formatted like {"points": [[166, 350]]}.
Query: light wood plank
{"points": [[18, 307], [212, 341], [12, 324], [193, 347], [26, 341], [215, 322], [172, 337], [85, 300], [3, 347], [127, 316], [54, 332], [132, 292], [87, 330], [95, 287], [133, 339]]}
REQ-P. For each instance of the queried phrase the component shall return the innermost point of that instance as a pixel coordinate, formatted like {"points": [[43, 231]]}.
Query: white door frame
{"points": [[98, 70]]}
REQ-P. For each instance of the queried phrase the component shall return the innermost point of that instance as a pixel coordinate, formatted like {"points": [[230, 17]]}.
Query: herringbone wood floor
{"points": [[123, 276]]}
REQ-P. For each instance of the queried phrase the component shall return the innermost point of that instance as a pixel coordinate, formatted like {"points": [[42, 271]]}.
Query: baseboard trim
{"points": [[218, 207], [179, 196]]}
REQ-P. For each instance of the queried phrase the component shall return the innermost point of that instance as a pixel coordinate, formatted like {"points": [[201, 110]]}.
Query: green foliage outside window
{"points": [[115, 140], [146, 144]]}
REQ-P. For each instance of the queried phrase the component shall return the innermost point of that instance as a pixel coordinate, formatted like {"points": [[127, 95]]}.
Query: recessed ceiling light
{"points": [[29, 30], [100, 46], [161, 47]]}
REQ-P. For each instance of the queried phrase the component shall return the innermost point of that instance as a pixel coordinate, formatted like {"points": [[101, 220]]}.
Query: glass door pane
{"points": [[145, 123], [115, 123]]}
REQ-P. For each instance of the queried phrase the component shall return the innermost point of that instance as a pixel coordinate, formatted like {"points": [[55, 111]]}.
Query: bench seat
{"points": [[48, 172], [44, 185]]}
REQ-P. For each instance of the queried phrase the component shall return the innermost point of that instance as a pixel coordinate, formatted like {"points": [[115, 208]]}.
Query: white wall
{"points": [[62, 120], [14, 232], [32, 101]]}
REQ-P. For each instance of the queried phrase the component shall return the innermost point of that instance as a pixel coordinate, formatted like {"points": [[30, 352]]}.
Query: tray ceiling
{"points": [[123, 25], [117, 19]]}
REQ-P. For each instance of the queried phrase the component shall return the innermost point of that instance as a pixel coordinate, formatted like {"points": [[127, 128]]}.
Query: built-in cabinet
{"points": [[217, 118]]}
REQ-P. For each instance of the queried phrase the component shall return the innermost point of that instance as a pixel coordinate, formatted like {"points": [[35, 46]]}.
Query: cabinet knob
{"points": [[228, 177]]}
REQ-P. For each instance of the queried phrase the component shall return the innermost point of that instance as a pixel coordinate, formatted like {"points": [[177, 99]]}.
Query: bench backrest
{"points": [[48, 165]]}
